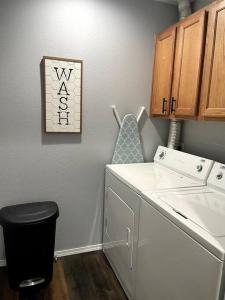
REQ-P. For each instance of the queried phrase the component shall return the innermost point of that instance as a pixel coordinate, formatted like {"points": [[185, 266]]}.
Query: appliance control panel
{"points": [[184, 163], [217, 177]]}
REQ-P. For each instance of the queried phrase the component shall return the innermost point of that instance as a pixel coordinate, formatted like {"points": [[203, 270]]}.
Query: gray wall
{"points": [[205, 138], [197, 4], [115, 40]]}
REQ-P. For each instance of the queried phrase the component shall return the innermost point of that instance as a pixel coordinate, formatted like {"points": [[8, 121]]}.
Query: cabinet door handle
{"points": [[173, 105], [164, 105]]}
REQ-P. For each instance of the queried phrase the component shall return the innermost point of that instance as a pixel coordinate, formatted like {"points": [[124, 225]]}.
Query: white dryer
{"points": [[124, 184], [171, 169], [181, 248]]}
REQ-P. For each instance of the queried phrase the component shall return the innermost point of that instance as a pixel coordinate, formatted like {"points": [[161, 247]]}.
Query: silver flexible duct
{"points": [[175, 127], [174, 134], [184, 8]]}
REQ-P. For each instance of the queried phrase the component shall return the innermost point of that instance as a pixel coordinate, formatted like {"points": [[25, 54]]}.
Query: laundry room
{"points": [[112, 150]]}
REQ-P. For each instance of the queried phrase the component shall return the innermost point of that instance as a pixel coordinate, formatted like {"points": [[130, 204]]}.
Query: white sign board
{"points": [[63, 94]]}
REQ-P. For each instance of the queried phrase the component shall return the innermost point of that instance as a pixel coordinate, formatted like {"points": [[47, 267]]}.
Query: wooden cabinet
{"points": [[162, 72], [213, 83], [188, 66], [177, 68]]}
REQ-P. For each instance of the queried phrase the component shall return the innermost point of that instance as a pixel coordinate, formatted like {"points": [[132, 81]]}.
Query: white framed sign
{"points": [[63, 94]]}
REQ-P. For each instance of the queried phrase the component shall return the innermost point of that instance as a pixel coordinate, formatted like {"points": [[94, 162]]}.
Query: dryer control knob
{"points": [[199, 168], [162, 155], [219, 175]]}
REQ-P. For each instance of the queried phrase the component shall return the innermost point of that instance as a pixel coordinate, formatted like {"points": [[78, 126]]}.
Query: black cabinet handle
{"points": [[173, 105], [164, 106]]}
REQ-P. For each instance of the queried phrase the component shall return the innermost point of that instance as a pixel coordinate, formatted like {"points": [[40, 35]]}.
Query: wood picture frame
{"points": [[63, 79]]}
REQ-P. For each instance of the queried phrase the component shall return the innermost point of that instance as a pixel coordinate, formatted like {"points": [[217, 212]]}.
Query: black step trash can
{"points": [[29, 236]]}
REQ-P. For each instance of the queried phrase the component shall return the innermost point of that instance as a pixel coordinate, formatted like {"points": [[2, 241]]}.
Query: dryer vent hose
{"points": [[174, 134], [184, 8], [175, 127]]}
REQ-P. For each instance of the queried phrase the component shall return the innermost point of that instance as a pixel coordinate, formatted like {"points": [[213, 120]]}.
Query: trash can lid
{"points": [[28, 213]]}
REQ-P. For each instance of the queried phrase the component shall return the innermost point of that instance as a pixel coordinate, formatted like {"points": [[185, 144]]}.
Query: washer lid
{"points": [[207, 210]]}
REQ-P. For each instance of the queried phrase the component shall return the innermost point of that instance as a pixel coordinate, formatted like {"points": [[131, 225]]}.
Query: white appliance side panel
{"points": [[215, 245], [118, 242], [171, 265]]}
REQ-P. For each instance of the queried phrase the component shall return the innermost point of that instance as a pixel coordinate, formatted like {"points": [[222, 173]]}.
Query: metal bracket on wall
{"points": [[116, 114]]}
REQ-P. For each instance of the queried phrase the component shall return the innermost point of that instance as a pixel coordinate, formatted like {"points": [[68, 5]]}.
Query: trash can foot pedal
{"points": [[31, 282]]}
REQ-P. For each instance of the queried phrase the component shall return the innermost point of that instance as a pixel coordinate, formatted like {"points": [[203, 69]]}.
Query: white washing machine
{"points": [[181, 247], [124, 184]]}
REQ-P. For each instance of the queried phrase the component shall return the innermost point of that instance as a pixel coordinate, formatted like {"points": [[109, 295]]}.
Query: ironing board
{"points": [[128, 146]]}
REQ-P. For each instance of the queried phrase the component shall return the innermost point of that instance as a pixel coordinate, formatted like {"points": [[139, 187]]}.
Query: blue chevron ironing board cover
{"points": [[128, 146]]}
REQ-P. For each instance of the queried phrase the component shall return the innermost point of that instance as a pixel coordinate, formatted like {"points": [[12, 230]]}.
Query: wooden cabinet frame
{"points": [[188, 65], [213, 82], [194, 91], [163, 72]]}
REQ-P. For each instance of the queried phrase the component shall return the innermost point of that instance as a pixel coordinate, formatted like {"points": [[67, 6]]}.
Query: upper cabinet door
{"points": [[188, 66], [213, 84], [163, 72]]}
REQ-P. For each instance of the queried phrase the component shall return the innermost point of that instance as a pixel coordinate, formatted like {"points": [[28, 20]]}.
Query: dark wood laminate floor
{"points": [[77, 277]]}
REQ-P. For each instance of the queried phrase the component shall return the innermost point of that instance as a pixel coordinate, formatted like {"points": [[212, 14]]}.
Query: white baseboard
{"points": [[78, 250], [61, 253]]}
